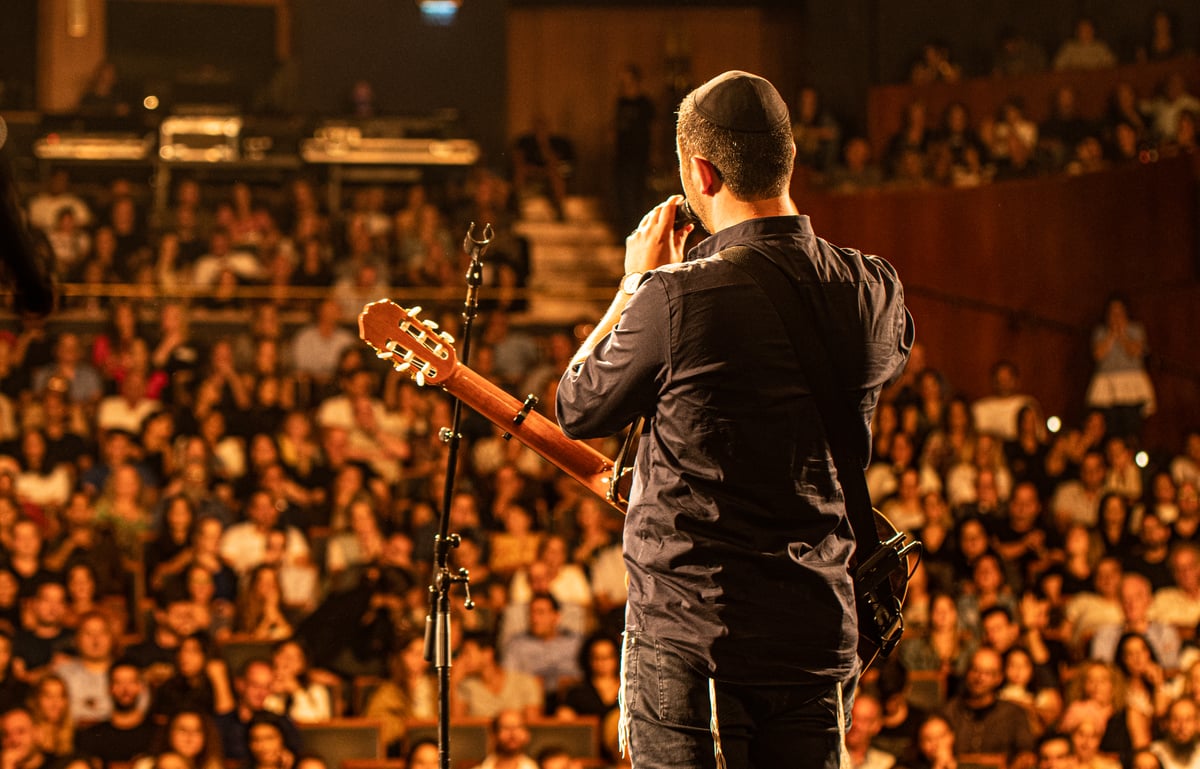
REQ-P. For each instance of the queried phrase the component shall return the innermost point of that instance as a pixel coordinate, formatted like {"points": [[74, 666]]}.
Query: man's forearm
{"points": [[603, 327]]}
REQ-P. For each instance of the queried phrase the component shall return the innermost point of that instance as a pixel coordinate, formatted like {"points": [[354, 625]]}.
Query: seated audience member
{"points": [[1166, 108], [1185, 466], [515, 547], [55, 196], [914, 136], [484, 688], [1151, 553], [50, 707], [858, 169], [19, 748], [1065, 128], [816, 132], [44, 633], [423, 755], [86, 673], [1017, 55], [934, 65], [1024, 538], [1090, 610], [409, 693], [1178, 604], [128, 731], [271, 742], [190, 735], [1084, 50], [1078, 501], [155, 654], [129, 408], [70, 373], [235, 713], [1179, 748], [550, 573], [982, 723], [1116, 538], [934, 747], [596, 693], [1161, 42], [865, 723], [508, 743], [38, 483], [545, 650], [247, 545], [23, 555], [1147, 690], [317, 347], [1135, 597], [260, 611], [297, 691], [1085, 742], [191, 686], [1054, 752]]}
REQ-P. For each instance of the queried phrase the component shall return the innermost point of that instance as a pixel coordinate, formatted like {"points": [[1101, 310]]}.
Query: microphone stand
{"points": [[437, 622]]}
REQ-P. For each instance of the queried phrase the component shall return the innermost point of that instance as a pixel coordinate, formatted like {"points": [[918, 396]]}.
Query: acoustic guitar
{"points": [[416, 346]]}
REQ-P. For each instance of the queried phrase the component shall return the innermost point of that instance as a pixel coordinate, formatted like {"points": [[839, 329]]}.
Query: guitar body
{"points": [[415, 346]]}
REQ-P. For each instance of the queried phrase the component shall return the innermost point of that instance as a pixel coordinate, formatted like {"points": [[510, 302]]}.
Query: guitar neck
{"points": [[576, 459]]}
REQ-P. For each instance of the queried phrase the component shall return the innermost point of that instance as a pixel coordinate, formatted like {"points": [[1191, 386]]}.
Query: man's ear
{"points": [[705, 174]]}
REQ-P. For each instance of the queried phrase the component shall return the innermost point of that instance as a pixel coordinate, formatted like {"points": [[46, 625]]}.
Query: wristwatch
{"points": [[630, 282]]}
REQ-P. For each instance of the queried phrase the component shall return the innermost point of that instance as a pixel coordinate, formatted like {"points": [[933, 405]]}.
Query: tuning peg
{"points": [[420, 376], [445, 337], [414, 311]]}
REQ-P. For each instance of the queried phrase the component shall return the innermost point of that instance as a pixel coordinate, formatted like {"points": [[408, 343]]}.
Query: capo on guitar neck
{"points": [[531, 400]]}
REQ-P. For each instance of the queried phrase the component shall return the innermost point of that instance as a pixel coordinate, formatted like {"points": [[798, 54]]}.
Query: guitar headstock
{"points": [[408, 342]]}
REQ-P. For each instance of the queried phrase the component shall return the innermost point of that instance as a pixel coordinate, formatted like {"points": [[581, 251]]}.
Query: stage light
{"points": [[1054, 424], [1142, 459], [439, 13]]}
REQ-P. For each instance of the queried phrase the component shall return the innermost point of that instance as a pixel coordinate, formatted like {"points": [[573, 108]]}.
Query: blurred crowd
{"points": [[210, 535], [960, 149]]}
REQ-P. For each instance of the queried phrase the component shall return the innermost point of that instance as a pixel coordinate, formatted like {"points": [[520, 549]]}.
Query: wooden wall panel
{"points": [[71, 44], [1022, 269], [564, 63]]}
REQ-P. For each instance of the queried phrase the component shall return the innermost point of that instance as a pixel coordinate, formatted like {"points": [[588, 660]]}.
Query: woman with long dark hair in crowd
{"points": [[260, 610], [51, 710], [191, 735], [295, 691], [1115, 535], [409, 693], [597, 694], [191, 687]]}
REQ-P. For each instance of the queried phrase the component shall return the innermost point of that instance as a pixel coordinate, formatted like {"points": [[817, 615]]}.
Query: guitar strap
{"points": [[841, 420]]}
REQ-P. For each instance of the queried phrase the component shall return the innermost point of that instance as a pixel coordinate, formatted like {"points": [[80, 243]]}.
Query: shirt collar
{"points": [[751, 230]]}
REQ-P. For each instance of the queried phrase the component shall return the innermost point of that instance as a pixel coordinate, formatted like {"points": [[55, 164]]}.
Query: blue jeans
{"points": [[667, 708]]}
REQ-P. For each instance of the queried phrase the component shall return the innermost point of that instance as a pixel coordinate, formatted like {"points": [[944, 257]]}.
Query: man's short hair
{"points": [[542, 596], [754, 166], [994, 610]]}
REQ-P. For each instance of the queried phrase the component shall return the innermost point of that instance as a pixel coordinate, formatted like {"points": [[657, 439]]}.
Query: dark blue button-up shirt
{"points": [[736, 538]]}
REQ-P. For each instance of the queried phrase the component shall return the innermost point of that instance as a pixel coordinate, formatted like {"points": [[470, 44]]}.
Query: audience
{"points": [[183, 488]]}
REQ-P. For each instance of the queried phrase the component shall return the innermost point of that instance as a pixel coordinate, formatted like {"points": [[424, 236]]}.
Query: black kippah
{"points": [[739, 101]]}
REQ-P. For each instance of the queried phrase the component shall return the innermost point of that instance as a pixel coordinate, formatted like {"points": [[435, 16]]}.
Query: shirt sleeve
{"points": [[620, 379]]}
